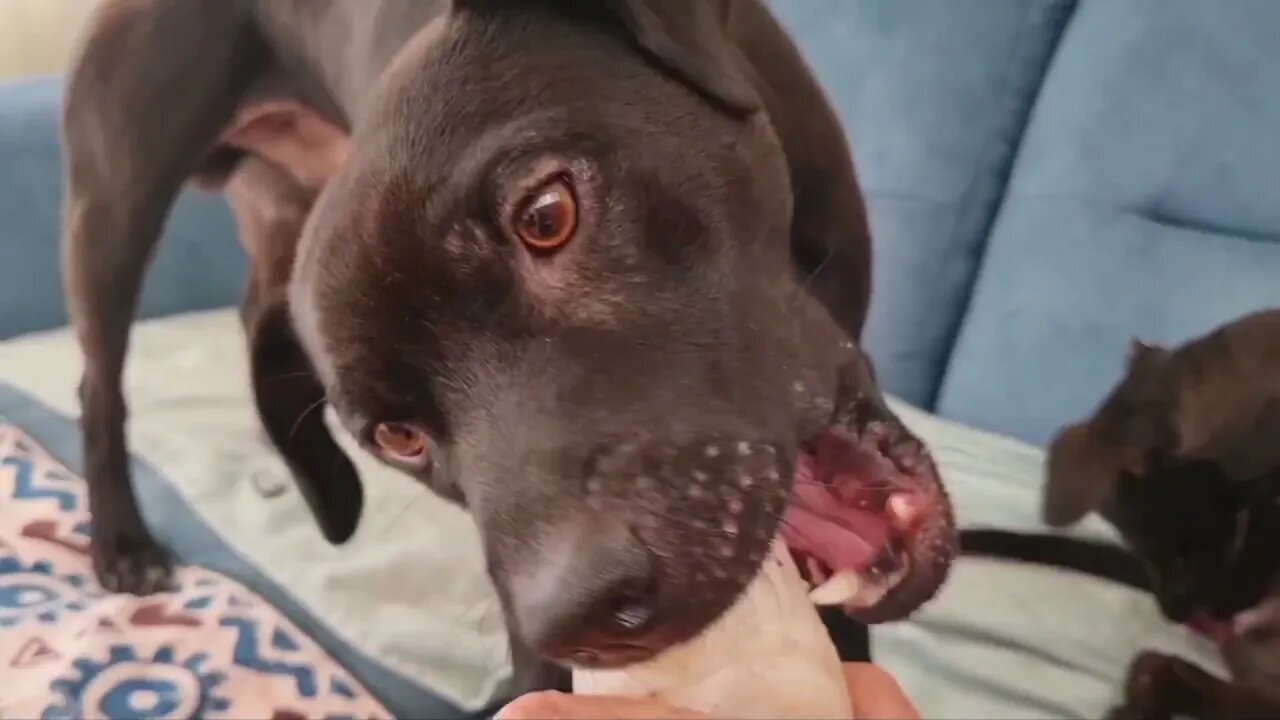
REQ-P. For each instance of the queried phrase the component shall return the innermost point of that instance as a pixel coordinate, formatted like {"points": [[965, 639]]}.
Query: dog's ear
{"points": [[1080, 476], [689, 39], [1143, 354]]}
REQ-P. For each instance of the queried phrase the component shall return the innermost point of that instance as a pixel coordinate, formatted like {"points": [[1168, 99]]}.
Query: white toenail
{"points": [[713, 451]]}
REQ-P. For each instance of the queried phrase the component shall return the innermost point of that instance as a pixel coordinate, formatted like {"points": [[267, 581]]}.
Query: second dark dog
{"points": [[1182, 458]]}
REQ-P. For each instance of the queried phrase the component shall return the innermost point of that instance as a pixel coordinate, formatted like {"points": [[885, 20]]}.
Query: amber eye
{"points": [[547, 218], [400, 441]]}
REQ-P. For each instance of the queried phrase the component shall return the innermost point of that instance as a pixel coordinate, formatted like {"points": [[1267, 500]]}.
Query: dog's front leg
{"points": [[150, 91], [271, 208]]}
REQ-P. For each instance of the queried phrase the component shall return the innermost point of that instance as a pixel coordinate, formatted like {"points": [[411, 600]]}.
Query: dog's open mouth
{"points": [[869, 523]]}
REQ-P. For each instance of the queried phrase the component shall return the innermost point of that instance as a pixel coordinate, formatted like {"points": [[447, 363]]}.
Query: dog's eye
{"points": [[400, 441], [548, 217]]}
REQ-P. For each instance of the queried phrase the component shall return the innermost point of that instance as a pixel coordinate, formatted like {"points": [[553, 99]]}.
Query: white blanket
{"points": [[409, 591]]}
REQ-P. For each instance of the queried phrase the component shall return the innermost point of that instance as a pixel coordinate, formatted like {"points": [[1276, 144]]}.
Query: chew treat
{"points": [[769, 656]]}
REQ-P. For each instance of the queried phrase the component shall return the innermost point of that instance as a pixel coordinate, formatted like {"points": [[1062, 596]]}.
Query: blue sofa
{"points": [[1047, 179]]}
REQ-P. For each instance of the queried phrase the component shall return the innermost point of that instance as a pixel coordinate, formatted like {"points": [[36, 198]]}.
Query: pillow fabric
{"points": [[406, 607], [208, 648]]}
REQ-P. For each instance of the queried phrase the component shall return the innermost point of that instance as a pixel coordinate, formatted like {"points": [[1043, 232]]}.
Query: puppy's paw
{"points": [[1163, 686], [131, 562]]}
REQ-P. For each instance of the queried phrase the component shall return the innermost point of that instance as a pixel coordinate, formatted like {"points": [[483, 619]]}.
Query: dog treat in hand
{"points": [[769, 656]]}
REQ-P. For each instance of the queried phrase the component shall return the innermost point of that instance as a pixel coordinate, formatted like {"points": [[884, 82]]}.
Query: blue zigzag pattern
{"points": [[246, 655], [26, 487]]}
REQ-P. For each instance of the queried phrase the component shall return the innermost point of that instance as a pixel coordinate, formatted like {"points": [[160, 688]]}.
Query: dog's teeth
{"points": [[840, 589], [903, 510]]}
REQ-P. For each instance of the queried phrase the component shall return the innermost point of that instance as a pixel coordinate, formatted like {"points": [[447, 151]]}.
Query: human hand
{"points": [[874, 692]]}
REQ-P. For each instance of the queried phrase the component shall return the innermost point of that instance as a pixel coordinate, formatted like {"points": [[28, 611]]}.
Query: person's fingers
{"points": [[876, 695], [562, 706]]}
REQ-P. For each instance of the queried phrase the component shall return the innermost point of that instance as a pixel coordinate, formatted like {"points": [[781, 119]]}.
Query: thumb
{"points": [[876, 695], [561, 706]]}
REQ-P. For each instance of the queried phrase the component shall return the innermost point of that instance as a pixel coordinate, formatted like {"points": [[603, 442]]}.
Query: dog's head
{"points": [[1206, 537], [555, 283]]}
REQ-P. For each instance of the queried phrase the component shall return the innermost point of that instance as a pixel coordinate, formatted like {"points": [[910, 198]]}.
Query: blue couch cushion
{"points": [[200, 264], [1143, 201], [934, 97]]}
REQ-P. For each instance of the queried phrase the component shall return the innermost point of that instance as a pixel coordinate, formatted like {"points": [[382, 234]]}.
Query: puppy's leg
{"points": [[154, 83], [1163, 687], [270, 210]]}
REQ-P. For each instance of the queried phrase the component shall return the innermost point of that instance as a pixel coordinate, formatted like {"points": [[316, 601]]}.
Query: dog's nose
{"points": [[594, 600], [656, 539]]}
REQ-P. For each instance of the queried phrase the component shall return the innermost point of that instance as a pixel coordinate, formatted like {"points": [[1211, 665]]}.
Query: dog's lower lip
{"points": [[614, 655]]}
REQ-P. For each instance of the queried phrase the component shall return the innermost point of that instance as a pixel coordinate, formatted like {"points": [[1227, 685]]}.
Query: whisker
{"points": [[303, 416], [288, 376], [403, 511]]}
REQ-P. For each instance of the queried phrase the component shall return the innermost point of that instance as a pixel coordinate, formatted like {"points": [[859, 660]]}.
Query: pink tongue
{"points": [[1217, 631], [819, 525]]}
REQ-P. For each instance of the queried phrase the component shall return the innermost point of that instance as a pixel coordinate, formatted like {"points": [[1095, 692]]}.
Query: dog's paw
{"points": [[131, 562]]}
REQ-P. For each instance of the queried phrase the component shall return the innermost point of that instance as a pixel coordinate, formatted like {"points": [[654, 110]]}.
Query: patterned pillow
{"points": [[210, 648]]}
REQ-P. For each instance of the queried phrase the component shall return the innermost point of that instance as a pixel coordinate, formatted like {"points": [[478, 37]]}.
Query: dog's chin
{"points": [[869, 524]]}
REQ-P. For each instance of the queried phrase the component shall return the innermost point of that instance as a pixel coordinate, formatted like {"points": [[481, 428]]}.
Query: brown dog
{"points": [[595, 270], [1182, 457]]}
